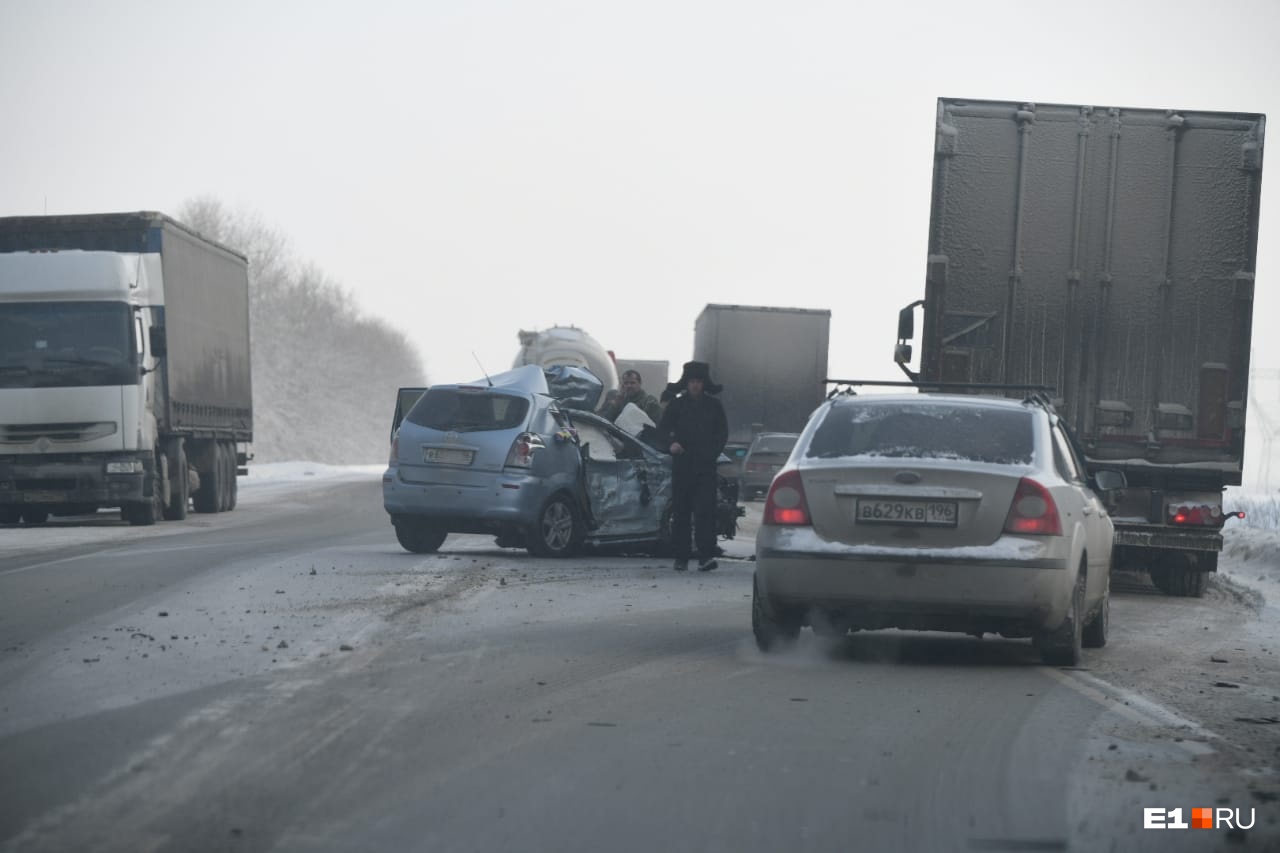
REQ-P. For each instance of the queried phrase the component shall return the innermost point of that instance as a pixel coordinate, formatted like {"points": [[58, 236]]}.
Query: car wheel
{"points": [[1061, 646], [1094, 635], [558, 532], [419, 537], [773, 630]]}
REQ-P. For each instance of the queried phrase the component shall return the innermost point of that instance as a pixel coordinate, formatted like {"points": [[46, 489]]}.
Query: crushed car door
{"points": [[624, 482]]}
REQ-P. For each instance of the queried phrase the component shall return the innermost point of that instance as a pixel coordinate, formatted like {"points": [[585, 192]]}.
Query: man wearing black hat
{"points": [[695, 430]]}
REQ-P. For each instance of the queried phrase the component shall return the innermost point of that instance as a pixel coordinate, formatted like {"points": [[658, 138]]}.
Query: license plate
{"points": [[937, 513], [447, 455], [44, 497]]}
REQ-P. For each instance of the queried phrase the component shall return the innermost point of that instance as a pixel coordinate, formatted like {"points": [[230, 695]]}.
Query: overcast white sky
{"points": [[467, 169]]}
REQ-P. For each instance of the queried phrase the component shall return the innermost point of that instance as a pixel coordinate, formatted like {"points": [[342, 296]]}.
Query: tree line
{"points": [[324, 374]]}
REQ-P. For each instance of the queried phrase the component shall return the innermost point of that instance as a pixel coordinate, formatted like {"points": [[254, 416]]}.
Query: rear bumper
{"points": [[505, 500], [1175, 538], [74, 479], [1017, 586]]}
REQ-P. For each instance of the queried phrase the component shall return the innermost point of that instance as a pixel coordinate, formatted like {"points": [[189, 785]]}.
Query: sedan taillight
{"points": [[786, 504], [1033, 511], [522, 450]]}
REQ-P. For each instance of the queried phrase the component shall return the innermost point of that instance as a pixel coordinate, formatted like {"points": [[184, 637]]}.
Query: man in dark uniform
{"points": [[695, 430]]}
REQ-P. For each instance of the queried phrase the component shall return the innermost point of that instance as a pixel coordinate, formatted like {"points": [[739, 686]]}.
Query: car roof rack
{"points": [[1038, 394]]}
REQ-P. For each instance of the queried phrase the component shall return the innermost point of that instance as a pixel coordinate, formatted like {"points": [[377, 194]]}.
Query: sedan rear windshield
{"points": [[925, 431], [451, 410]]}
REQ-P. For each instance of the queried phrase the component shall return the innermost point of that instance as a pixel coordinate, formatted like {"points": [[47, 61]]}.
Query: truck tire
{"points": [[144, 513], [224, 493], [179, 485], [1181, 574], [207, 496], [558, 531], [35, 516], [233, 486], [10, 514]]}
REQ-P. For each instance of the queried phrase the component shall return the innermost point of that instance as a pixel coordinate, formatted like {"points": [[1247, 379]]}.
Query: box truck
{"points": [[124, 368], [772, 362], [1106, 253]]}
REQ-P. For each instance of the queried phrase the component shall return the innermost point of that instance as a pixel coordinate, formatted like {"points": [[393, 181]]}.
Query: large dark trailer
{"points": [[1109, 253]]}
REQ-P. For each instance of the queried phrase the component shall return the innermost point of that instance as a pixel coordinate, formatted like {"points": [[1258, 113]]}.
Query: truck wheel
{"points": [[179, 494], [144, 513], [1061, 646], [35, 516], [10, 514], [772, 630], [419, 536], [233, 487], [1180, 574], [558, 532], [207, 496]]}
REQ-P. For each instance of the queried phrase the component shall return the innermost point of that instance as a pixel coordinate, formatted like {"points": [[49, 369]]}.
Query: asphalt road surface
{"points": [[285, 677]]}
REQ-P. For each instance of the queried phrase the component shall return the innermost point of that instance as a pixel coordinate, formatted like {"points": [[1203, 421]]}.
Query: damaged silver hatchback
{"points": [[503, 456]]}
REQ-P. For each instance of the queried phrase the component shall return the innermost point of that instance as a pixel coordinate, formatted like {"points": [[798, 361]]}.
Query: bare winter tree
{"points": [[324, 375]]}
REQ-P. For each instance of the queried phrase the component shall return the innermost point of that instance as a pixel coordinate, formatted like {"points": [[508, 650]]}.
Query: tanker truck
{"points": [[567, 346]]}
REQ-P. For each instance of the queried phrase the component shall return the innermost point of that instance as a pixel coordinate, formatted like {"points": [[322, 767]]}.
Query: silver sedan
{"points": [[936, 512]]}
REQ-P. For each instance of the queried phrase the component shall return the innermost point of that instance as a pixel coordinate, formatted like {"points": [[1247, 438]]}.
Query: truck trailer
{"points": [[771, 361], [124, 368], [1106, 254]]}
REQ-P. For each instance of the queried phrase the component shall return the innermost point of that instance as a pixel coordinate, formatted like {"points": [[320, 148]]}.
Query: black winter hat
{"points": [[692, 370]]}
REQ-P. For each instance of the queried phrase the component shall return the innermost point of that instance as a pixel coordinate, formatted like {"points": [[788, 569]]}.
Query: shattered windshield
{"points": [[66, 344]]}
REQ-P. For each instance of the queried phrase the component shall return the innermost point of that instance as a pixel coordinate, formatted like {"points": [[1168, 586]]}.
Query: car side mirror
{"points": [[1109, 481]]}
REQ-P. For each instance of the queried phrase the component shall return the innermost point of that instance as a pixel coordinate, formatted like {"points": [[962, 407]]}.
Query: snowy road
{"points": [[284, 677]]}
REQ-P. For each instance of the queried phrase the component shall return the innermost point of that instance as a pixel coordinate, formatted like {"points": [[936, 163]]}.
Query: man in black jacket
{"points": [[695, 430]]}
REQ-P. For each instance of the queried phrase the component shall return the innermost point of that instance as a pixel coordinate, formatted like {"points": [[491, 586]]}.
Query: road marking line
{"points": [[1135, 708]]}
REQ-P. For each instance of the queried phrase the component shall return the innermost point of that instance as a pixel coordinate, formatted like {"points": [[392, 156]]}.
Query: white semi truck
{"points": [[124, 368]]}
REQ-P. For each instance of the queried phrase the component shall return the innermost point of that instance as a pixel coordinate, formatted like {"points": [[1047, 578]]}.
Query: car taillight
{"points": [[1196, 515], [395, 449], [522, 449], [786, 504], [1033, 511]]}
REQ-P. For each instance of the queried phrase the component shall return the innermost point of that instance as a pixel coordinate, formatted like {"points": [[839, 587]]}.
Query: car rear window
{"points": [[451, 410], [774, 444], [925, 431]]}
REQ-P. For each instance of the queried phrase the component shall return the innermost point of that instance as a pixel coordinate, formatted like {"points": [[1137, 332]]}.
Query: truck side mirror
{"points": [[902, 353], [907, 324], [159, 344]]}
